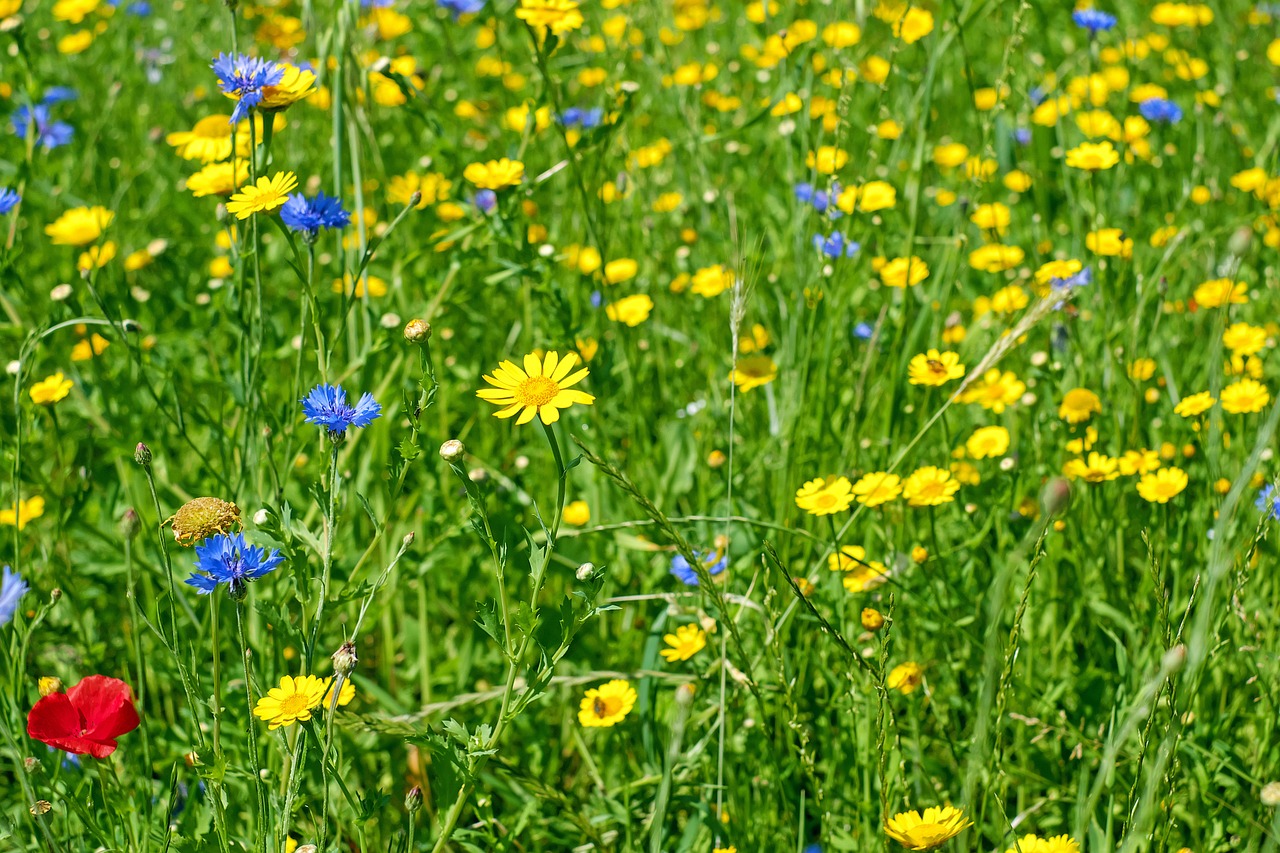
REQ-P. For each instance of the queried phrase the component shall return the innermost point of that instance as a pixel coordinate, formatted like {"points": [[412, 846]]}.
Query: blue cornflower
{"points": [[11, 589], [1160, 109], [714, 562], [50, 134], [1093, 20], [1022, 136], [1036, 96], [1081, 279], [308, 216], [863, 331], [327, 406], [244, 77], [820, 199], [836, 246], [8, 200], [462, 7], [583, 118], [227, 558], [1268, 503], [58, 94], [486, 201]]}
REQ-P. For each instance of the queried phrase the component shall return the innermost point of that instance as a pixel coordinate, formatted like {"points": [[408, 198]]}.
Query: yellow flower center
{"points": [[537, 391], [295, 705], [826, 499]]}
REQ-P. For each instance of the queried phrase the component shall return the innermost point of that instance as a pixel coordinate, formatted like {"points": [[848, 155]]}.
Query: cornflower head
{"points": [[836, 245], [715, 562], [1093, 20], [327, 406], [458, 8], [50, 134], [1268, 503], [228, 559], [1160, 110], [12, 588], [308, 216], [9, 199], [243, 79]]}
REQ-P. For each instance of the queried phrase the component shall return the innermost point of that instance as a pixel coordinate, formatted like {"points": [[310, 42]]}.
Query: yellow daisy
{"points": [[264, 196], [607, 705], [934, 828], [542, 388]]}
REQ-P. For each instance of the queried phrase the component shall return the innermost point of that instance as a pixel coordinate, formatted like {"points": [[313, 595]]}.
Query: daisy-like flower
{"points": [[686, 642], [308, 216], [228, 559], [1093, 156], [934, 828], [296, 698], [904, 272], [264, 196], [608, 704], [200, 518], [496, 174], [243, 78], [1160, 486], [1078, 405], [209, 140], [1194, 405], [825, 495], [559, 16], [865, 577], [219, 179], [930, 486], [1221, 291], [905, 677], [934, 368], [79, 226], [1246, 396], [877, 488], [987, 442], [294, 84], [542, 388], [1095, 468], [51, 389], [327, 406], [753, 371], [19, 514]]}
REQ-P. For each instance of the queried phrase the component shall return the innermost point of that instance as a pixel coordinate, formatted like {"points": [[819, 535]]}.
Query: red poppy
{"points": [[86, 719]]}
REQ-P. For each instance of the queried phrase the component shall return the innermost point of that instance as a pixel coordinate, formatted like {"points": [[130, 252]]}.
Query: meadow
{"points": [[639, 425]]}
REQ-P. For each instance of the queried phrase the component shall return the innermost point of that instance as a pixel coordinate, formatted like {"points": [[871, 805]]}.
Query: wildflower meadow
{"points": [[639, 426]]}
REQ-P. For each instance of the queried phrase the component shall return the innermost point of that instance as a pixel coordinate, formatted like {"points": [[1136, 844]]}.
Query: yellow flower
{"points": [[825, 495], [22, 512], [864, 577], [905, 677], [9, 7], [616, 272], [686, 642], [608, 704], [87, 348], [630, 310], [200, 518], [1219, 292], [1160, 486], [433, 186], [914, 25], [987, 442], [496, 174], [218, 179], [904, 272], [1078, 405], [934, 368], [950, 155], [1139, 462], [542, 388], [712, 281], [995, 390], [264, 196], [96, 257], [934, 828], [1142, 369], [51, 389], [1109, 242], [74, 43], [827, 160], [991, 217], [1195, 405], [1245, 397], [295, 699], [209, 140], [1093, 156], [79, 226], [374, 285], [73, 11], [295, 85], [930, 486], [753, 371], [995, 257], [1243, 339], [559, 16], [847, 559], [1056, 270], [877, 488], [576, 513], [1096, 468]]}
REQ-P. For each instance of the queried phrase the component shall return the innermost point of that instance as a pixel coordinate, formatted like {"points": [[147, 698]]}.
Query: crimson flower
{"points": [[86, 719]]}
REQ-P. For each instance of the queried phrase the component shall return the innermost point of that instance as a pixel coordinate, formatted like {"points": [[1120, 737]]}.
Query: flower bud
{"points": [[872, 619], [1270, 795], [306, 848], [130, 524], [55, 594], [413, 800], [407, 540], [50, 684], [585, 571], [142, 455], [416, 198], [31, 764], [684, 694], [919, 554], [345, 659], [1055, 496], [451, 450], [417, 331]]}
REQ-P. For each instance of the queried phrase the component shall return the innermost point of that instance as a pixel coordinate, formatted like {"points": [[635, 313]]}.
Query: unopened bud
{"points": [[345, 659], [1238, 245], [130, 523], [1055, 496], [142, 454], [50, 684], [1174, 658], [32, 765], [684, 694], [872, 619], [1270, 795], [306, 848], [407, 540], [585, 571], [417, 331], [55, 594], [451, 450], [413, 800], [416, 198]]}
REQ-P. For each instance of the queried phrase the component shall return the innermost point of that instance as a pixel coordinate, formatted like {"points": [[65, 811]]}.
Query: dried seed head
{"points": [[201, 518], [345, 659]]}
